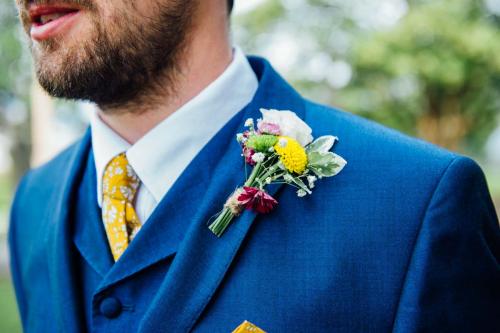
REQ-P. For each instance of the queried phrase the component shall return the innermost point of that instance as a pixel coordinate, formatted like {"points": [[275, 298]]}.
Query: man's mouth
{"points": [[49, 21], [51, 14]]}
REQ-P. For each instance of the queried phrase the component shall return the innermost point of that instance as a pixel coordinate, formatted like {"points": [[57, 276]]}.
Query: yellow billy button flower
{"points": [[292, 154]]}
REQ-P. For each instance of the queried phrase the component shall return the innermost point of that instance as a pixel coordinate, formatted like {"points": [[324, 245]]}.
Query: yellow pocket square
{"points": [[247, 326]]}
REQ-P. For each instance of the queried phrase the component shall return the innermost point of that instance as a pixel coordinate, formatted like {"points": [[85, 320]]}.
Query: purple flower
{"points": [[265, 127], [254, 199], [248, 154]]}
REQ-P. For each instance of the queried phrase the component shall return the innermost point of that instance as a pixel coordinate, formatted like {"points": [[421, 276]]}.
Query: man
{"points": [[405, 239]]}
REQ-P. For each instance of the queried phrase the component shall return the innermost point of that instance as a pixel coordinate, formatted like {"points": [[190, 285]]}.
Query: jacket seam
{"points": [[415, 241]]}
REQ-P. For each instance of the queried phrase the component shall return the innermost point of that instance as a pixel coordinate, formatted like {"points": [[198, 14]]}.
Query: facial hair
{"points": [[123, 61]]}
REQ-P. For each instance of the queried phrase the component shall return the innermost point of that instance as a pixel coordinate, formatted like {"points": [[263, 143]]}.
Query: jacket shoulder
{"points": [[366, 139]]}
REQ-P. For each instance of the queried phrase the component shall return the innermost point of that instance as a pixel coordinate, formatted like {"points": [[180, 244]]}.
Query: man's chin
{"points": [[60, 77], [58, 62], [77, 82]]}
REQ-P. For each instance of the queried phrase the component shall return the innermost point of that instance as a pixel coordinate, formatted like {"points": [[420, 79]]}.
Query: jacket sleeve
{"points": [[453, 279], [13, 239]]}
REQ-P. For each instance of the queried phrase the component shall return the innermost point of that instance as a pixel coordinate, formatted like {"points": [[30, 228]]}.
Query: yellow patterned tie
{"points": [[119, 186], [246, 327]]}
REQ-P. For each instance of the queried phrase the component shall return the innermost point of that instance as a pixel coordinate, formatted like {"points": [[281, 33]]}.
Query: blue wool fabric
{"points": [[94, 264], [404, 239]]}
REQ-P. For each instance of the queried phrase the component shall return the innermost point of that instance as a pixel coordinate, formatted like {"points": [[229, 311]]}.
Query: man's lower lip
{"points": [[48, 30]]}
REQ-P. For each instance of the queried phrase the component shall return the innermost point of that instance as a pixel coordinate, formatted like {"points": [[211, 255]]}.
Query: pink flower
{"points": [[254, 199], [265, 127], [248, 154]]}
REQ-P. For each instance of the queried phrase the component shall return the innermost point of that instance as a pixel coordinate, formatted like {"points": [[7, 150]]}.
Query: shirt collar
{"points": [[106, 144], [161, 155]]}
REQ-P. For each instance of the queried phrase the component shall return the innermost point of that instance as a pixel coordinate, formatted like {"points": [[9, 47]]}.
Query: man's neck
{"points": [[205, 58]]}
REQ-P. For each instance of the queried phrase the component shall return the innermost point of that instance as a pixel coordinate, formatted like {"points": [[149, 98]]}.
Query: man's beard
{"points": [[123, 61]]}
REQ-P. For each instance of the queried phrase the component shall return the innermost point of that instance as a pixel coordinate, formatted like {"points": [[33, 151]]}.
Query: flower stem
{"points": [[269, 172], [254, 174], [226, 216], [221, 222]]}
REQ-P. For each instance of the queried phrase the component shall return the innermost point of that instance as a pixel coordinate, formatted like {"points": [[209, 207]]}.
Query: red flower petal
{"points": [[254, 199]]}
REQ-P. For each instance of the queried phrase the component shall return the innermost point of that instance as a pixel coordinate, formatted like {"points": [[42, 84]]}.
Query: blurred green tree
{"points": [[435, 74], [15, 85], [428, 68]]}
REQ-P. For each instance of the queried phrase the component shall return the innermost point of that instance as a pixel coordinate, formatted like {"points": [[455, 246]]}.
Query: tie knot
{"points": [[120, 181]]}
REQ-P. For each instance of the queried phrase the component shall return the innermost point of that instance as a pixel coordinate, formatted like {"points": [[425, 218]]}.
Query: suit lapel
{"points": [[60, 256], [202, 259], [89, 235], [166, 228]]}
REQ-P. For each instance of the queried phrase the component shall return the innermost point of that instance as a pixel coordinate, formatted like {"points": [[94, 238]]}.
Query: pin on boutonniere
{"points": [[281, 150]]}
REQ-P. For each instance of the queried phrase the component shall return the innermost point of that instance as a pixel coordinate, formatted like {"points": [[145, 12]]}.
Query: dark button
{"points": [[110, 307]]}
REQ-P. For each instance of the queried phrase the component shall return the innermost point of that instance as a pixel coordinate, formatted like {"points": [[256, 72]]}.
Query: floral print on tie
{"points": [[119, 186]]}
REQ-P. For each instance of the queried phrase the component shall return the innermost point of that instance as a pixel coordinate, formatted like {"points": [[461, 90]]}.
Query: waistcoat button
{"points": [[110, 307]]}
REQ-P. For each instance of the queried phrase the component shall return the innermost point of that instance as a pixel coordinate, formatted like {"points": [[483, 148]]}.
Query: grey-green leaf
{"points": [[322, 144], [325, 164], [301, 184]]}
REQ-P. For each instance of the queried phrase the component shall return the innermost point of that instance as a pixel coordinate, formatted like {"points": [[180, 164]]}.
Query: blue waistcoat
{"points": [[404, 239], [93, 261]]}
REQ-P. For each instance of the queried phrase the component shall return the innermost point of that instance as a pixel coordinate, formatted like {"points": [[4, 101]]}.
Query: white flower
{"points": [[289, 124], [127, 192], [249, 122], [311, 180], [301, 193], [130, 171], [258, 157], [111, 213], [239, 137], [118, 171]]}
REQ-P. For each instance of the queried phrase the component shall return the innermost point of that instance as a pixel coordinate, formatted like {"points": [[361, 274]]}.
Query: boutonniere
{"points": [[281, 150]]}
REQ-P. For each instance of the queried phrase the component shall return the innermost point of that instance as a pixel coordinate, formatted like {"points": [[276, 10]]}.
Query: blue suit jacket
{"points": [[404, 239]]}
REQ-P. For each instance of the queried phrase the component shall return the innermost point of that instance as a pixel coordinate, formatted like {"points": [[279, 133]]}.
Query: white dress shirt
{"points": [[162, 154]]}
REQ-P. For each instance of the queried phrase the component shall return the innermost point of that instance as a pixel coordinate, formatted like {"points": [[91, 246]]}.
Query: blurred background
{"points": [[429, 68]]}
